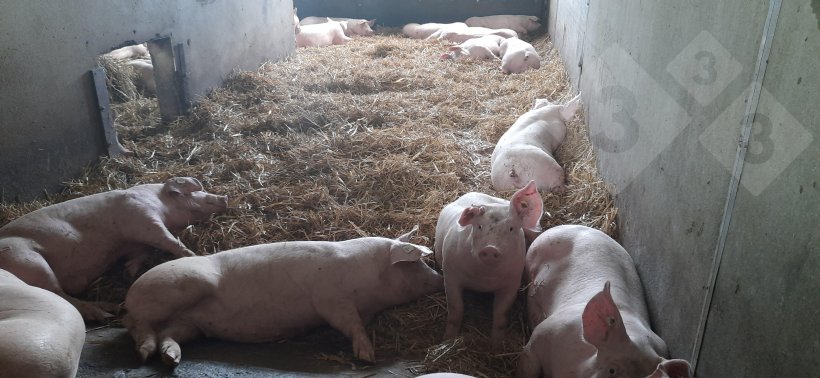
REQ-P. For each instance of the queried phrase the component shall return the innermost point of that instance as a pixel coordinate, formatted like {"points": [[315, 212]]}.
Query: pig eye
{"points": [[511, 229], [479, 227], [611, 372]]}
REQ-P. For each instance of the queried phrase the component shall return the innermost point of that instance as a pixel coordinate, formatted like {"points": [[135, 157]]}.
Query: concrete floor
{"points": [[109, 352]]}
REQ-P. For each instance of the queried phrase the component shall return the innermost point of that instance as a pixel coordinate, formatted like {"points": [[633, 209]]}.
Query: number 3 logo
{"points": [[763, 136], [708, 68]]}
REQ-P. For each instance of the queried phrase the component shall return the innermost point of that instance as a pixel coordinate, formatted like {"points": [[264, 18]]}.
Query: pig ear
{"points": [[568, 110], [673, 369], [182, 185], [406, 252], [406, 237], [468, 215], [527, 205], [602, 321], [372, 22], [534, 18]]}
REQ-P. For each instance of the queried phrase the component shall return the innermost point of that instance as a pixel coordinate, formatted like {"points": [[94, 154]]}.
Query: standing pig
{"points": [[65, 247], [350, 26], [521, 24], [273, 291], [581, 330], [517, 56], [480, 246], [525, 151], [319, 35], [41, 335], [485, 47], [423, 31]]}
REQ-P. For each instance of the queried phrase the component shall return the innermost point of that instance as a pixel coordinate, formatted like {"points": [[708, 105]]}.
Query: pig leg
{"points": [[158, 236], [455, 308], [528, 365], [345, 318], [170, 339], [30, 267], [502, 302]]}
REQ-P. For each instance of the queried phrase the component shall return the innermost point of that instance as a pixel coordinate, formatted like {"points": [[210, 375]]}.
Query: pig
{"points": [[319, 35], [520, 23], [129, 52], [423, 31], [586, 306], [485, 47], [145, 76], [273, 291], [41, 335], [351, 26], [517, 56], [64, 247], [459, 34], [480, 247], [525, 152]]}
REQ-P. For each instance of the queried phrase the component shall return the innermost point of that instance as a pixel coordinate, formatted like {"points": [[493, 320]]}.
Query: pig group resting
{"points": [[273, 291], [525, 151], [586, 307], [64, 247], [481, 247], [41, 335]]}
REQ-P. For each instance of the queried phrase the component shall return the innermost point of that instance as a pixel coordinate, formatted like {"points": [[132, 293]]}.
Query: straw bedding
{"points": [[366, 139]]}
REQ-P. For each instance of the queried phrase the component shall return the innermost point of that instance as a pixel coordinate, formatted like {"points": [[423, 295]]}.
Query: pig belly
{"points": [[253, 322]]}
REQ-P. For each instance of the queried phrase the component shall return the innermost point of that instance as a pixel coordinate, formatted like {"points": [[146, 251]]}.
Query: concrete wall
{"points": [[400, 12], [49, 123], [666, 86]]}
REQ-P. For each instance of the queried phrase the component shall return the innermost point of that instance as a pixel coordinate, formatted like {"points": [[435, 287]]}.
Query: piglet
{"points": [[480, 246], [520, 23], [65, 247], [485, 47], [319, 35], [423, 31], [351, 26], [525, 152], [517, 56], [586, 305], [273, 291], [41, 335], [458, 34]]}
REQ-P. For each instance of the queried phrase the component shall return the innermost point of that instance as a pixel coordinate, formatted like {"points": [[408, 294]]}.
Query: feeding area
{"points": [[369, 138]]}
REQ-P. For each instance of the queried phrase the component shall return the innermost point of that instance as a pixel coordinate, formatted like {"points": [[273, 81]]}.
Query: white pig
{"points": [[485, 47], [129, 52], [525, 151], [581, 330], [41, 335], [64, 247], [423, 31], [351, 26], [519, 23], [145, 76], [319, 35], [273, 291], [459, 34], [480, 246], [517, 56]]}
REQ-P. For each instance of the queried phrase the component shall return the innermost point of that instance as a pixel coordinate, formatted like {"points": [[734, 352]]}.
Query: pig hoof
{"points": [[363, 350]]}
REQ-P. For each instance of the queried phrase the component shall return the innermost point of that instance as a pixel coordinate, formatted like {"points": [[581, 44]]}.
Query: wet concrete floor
{"points": [[109, 352]]}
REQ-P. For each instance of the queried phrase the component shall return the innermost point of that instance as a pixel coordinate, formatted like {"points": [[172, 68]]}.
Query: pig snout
{"points": [[489, 255], [216, 202]]}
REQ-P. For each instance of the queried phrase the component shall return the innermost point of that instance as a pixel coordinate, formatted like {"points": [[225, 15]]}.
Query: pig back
{"points": [[567, 265]]}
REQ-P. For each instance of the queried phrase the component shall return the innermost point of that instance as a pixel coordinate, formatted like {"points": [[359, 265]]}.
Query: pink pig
{"points": [[485, 47], [525, 151], [460, 34], [350, 26], [273, 291], [65, 247], [423, 31], [520, 23], [319, 35], [41, 335], [580, 330], [480, 246], [517, 56]]}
